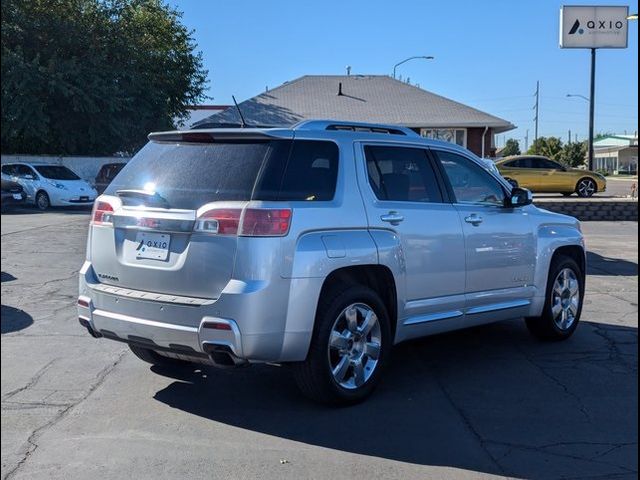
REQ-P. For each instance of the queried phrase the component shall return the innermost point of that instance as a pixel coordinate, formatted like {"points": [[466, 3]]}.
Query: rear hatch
{"points": [[168, 223]]}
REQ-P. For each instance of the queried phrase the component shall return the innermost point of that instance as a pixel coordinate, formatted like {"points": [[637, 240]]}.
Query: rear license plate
{"points": [[17, 196], [152, 245]]}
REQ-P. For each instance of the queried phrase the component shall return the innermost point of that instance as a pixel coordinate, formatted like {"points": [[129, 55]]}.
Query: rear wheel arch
{"points": [[377, 277]]}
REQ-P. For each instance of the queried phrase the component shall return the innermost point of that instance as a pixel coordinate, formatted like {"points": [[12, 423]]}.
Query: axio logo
{"points": [[592, 25], [576, 28]]}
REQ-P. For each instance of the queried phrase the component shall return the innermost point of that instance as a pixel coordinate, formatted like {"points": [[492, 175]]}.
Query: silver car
{"points": [[319, 246]]}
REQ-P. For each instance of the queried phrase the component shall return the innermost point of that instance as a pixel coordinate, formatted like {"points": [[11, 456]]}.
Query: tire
{"points": [[42, 201], [154, 358], [513, 182], [341, 373], [559, 294], [586, 187]]}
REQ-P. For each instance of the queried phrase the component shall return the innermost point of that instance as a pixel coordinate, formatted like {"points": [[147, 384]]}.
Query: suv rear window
{"points": [[188, 175]]}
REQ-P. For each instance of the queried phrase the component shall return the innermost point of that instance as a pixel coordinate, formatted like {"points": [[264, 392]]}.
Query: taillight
{"points": [[223, 221], [265, 222], [252, 222], [102, 213]]}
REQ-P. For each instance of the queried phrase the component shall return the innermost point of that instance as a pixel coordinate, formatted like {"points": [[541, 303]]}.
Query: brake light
{"points": [[223, 221], [102, 213], [265, 222]]}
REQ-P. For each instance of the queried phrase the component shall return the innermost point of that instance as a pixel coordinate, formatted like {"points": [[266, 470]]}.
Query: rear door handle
{"points": [[394, 218], [473, 219]]}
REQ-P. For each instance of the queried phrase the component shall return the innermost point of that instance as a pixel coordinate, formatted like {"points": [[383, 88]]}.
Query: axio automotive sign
{"points": [[593, 27]]}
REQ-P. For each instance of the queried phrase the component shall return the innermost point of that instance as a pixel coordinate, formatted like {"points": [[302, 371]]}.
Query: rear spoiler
{"points": [[219, 135]]}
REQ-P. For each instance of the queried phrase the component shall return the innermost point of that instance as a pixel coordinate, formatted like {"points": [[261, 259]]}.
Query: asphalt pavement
{"points": [[480, 403]]}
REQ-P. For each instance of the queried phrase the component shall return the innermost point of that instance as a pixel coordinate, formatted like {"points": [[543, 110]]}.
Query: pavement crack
{"points": [[32, 381], [32, 441], [565, 389], [463, 416]]}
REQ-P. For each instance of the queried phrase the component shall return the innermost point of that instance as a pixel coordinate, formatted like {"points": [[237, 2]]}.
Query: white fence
{"points": [[85, 167]]}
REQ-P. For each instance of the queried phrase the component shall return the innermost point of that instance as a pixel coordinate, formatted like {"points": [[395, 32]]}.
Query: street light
{"points": [[577, 95], [410, 58]]}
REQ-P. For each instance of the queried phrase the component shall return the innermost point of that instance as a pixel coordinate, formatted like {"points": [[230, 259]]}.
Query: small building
{"points": [[368, 98], [616, 154]]}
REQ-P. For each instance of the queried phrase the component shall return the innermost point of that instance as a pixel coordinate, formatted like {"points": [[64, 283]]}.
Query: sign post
{"points": [[593, 27]]}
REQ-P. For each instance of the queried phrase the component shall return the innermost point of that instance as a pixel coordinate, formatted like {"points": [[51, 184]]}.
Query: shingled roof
{"points": [[364, 98]]}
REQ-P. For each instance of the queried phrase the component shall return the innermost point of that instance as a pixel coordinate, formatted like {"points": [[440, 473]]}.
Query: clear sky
{"points": [[488, 54]]}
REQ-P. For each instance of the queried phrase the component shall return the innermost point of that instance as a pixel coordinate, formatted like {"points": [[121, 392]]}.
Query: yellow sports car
{"points": [[542, 175]]}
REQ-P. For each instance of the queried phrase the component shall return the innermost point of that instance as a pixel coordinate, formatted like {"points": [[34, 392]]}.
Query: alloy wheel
{"points": [[565, 299], [354, 346], [586, 187]]}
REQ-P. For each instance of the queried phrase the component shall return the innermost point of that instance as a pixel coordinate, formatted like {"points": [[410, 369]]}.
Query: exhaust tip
{"points": [[223, 357], [85, 323]]}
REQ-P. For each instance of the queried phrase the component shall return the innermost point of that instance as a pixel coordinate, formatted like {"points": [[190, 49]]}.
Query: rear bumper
{"points": [[163, 337], [248, 321]]}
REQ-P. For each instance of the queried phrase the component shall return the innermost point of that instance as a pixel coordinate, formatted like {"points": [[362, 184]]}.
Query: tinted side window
{"points": [[23, 170], [548, 164], [401, 174], [470, 183], [311, 172], [8, 169]]}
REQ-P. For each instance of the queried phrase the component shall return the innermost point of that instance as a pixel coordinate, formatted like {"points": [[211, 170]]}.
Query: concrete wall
{"points": [[85, 167]]}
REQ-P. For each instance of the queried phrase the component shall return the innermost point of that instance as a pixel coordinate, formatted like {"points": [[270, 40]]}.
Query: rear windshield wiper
{"points": [[154, 198]]}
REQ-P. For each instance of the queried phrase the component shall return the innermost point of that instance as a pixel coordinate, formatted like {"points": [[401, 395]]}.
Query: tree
{"points": [[573, 154], [93, 77], [550, 147], [511, 147]]}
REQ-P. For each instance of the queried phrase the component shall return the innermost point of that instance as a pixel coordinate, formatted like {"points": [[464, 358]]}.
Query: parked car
{"points": [[106, 174], [319, 246], [541, 174], [49, 185], [12, 194]]}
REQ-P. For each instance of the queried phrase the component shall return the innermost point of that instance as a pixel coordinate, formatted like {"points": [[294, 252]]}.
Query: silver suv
{"points": [[319, 246]]}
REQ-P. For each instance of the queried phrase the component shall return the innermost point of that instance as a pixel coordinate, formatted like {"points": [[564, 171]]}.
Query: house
{"points": [[368, 98], [617, 154], [198, 113]]}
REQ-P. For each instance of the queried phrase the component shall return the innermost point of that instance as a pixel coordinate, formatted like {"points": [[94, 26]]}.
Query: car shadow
{"points": [[6, 277], [462, 399], [13, 319], [600, 265]]}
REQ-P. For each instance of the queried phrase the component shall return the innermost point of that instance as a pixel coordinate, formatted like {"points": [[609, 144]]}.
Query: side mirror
{"points": [[520, 197]]}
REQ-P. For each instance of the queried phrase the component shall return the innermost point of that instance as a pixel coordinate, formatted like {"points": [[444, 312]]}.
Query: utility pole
{"points": [[592, 103], [526, 141], [535, 138], [569, 135]]}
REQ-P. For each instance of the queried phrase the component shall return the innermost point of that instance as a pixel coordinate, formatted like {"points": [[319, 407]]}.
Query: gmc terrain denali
{"points": [[319, 246]]}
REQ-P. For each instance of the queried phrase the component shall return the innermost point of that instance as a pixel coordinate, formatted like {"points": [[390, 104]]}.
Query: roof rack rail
{"points": [[353, 127]]}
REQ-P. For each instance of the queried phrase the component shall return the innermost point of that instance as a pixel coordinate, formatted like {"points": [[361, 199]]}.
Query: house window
{"points": [[453, 135]]}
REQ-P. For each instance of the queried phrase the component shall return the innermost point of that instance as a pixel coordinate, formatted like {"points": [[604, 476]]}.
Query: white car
{"points": [[49, 185]]}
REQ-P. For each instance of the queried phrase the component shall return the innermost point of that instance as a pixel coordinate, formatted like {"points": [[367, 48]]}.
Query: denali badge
{"points": [[108, 277]]}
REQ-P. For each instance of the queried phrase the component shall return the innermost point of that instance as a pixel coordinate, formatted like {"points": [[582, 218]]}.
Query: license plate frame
{"points": [[152, 246]]}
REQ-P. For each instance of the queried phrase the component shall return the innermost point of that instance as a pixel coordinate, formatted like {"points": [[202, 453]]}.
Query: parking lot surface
{"points": [[480, 403]]}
